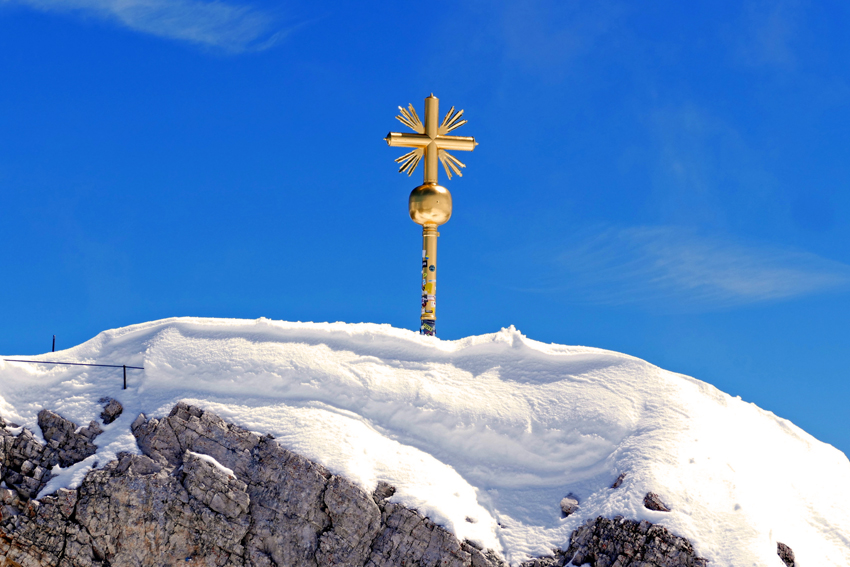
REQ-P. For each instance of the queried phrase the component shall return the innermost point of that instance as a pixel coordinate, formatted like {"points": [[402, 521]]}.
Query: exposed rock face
{"points": [[620, 543], [209, 493], [26, 462], [179, 503]]}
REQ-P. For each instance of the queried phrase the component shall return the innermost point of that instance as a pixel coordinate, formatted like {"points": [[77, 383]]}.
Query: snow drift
{"points": [[485, 434]]}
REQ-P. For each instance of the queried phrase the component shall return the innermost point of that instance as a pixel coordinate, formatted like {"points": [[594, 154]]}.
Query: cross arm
{"points": [[462, 143], [396, 139]]}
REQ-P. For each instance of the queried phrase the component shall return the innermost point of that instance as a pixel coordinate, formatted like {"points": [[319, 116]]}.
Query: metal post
{"points": [[54, 344], [125, 376], [428, 318]]}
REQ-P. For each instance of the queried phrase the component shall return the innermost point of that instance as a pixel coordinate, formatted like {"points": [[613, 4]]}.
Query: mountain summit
{"points": [[506, 442]]}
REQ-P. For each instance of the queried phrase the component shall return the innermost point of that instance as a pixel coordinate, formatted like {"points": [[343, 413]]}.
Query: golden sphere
{"points": [[430, 204]]}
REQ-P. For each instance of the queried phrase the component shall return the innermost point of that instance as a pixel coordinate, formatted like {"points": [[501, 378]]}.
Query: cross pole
{"points": [[430, 204]]}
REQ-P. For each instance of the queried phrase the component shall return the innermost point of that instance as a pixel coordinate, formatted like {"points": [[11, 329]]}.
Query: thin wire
{"points": [[75, 363]]}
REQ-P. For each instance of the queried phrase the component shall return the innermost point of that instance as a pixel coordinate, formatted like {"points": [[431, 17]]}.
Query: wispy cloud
{"points": [[213, 23], [678, 268]]}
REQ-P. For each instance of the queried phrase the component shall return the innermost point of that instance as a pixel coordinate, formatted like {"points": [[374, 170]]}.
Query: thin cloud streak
{"points": [[217, 24], [678, 268]]}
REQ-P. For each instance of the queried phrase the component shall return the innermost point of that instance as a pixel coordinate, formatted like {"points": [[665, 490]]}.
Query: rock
{"points": [[26, 462], [619, 480], [355, 521], [653, 502], [137, 464], [786, 554], [210, 485], [569, 504], [90, 432], [410, 539], [172, 504], [158, 443], [112, 408], [65, 446], [66, 500], [383, 492], [627, 542], [552, 561]]}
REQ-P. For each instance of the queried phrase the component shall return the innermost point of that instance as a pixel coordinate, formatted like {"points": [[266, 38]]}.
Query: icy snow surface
{"points": [[485, 434], [228, 472]]}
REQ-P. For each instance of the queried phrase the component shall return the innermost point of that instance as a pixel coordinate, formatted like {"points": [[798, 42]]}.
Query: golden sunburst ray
{"points": [[415, 116], [412, 164], [406, 159], [411, 119], [450, 161], [410, 160], [451, 121]]}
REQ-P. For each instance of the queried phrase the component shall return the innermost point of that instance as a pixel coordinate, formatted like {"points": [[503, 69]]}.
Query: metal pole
{"points": [[428, 318], [54, 344], [125, 376]]}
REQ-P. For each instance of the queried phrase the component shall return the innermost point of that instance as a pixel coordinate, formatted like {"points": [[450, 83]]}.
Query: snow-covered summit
{"points": [[485, 434]]}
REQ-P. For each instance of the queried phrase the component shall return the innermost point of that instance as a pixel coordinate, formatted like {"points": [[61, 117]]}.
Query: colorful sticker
{"points": [[428, 327], [429, 302]]}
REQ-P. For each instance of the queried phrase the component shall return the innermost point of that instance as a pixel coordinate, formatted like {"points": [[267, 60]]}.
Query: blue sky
{"points": [[665, 180]]}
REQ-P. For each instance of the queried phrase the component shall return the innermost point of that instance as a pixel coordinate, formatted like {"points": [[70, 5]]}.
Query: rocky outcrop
{"points": [[26, 462], [65, 445], [208, 493], [620, 543], [205, 492]]}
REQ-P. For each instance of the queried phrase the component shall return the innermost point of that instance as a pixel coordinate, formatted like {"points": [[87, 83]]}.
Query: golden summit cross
{"points": [[431, 140], [430, 204]]}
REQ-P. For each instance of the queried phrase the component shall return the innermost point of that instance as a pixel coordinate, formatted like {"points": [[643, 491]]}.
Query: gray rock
{"points": [[619, 480], [558, 560], [171, 505], [212, 486], [26, 462], [137, 464], [64, 445], [653, 502], [786, 554], [112, 408], [355, 521], [569, 504], [383, 492], [603, 542], [158, 443], [411, 539]]}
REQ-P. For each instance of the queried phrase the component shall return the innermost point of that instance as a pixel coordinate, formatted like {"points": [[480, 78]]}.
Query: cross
{"points": [[431, 140]]}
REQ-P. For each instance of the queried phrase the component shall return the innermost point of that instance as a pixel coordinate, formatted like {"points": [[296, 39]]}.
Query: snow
{"points": [[215, 463], [485, 434]]}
